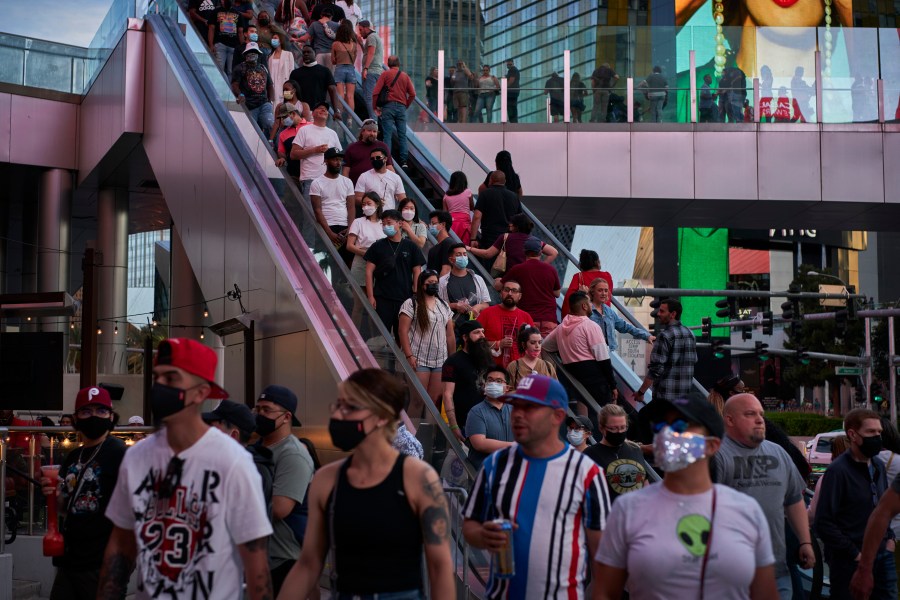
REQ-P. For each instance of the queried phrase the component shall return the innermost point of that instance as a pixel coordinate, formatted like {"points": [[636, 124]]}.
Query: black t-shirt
{"points": [[87, 489], [625, 468], [394, 262], [603, 76], [253, 81], [437, 256], [459, 288], [205, 8], [338, 16], [314, 82], [512, 89], [227, 22], [496, 204], [460, 370]]}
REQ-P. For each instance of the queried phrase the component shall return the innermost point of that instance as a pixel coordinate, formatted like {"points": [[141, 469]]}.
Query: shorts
{"points": [[461, 99], [358, 270], [345, 74], [556, 107], [429, 369]]}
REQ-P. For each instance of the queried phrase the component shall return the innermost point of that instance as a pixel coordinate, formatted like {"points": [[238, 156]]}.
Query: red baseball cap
{"points": [[93, 395], [192, 357]]}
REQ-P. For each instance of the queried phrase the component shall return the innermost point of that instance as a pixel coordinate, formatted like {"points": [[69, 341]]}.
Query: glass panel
{"points": [[786, 57], [850, 68], [49, 71], [889, 42], [12, 60]]}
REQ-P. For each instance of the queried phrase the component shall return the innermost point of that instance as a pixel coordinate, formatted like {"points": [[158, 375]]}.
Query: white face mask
{"points": [[492, 389], [575, 437], [369, 210], [408, 215]]}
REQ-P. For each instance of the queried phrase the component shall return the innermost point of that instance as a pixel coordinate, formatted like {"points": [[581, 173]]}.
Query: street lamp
{"points": [[817, 274]]}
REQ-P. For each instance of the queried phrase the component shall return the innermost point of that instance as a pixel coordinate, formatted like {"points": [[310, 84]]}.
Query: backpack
{"points": [[383, 94], [264, 463], [299, 515]]}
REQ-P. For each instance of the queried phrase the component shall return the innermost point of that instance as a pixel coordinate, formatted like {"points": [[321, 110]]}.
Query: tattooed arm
{"points": [[255, 556], [423, 488], [118, 563]]}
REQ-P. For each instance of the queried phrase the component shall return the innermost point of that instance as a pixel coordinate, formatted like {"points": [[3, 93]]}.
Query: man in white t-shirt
{"points": [[380, 180], [310, 145], [188, 506], [334, 202]]}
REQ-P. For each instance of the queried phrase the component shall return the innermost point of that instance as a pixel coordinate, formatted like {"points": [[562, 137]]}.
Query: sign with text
{"points": [[848, 371], [635, 354]]}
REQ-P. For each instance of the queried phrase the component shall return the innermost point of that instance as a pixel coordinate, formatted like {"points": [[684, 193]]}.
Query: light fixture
{"points": [[28, 318], [202, 336], [116, 330], [205, 311], [155, 323], [99, 331], [72, 325]]}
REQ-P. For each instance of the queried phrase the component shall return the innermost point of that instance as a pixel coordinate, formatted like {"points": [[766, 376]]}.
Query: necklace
{"points": [[81, 463]]}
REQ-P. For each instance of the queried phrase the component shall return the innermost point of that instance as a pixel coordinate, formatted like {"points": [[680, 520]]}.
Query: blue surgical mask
{"points": [[493, 389], [389, 230], [433, 230], [288, 122], [461, 262], [254, 37], [275, 42]]}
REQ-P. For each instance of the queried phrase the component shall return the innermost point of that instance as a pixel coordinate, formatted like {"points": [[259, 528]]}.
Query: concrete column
{"points": [[781, 274], [54, 234], [112, 272]]}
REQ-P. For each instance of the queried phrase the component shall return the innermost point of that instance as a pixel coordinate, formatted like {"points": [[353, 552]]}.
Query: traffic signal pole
{"points": [[870, 366], [892, 370]]}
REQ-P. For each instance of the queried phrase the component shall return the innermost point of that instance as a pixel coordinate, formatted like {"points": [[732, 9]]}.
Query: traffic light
{"points": [[768, 322], [762, 351], [802, 356], [654, 313], [746, 333], [840, 321], [851, 303], [877, 392], [787, 310], [717, 350], [706, 328], [790, 310]]}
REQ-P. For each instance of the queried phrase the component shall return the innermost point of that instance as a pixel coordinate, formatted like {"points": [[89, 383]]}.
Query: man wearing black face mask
{"points": [[334, 202], [274, 411], [217, 536], [87, 478], [851, 488], [622, 461]]}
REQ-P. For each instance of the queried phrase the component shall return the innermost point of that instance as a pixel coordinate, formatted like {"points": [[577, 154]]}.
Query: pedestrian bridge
{"points": [[747, 175]]}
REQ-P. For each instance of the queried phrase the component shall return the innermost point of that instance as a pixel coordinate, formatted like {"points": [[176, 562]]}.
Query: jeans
{"points": [[225, 58], [368, 86], [883, 573], [785, 587], [656, 100], [601, 105], [305, 185], [264, 115], [512, 107], [486, 102], [393, 120]]}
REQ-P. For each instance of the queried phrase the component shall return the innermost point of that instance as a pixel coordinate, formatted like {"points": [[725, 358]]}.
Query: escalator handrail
{"points": [[224, 131], [407, 181]]}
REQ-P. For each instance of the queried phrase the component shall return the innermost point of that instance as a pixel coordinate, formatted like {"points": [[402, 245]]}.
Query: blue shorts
{"points": [[345, 74], [428, 369]]}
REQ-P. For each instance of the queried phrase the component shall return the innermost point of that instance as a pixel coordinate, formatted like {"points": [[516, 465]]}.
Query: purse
{"points": [[499, 266]]}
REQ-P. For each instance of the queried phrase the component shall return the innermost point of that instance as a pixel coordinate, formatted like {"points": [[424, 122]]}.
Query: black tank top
{"points": [[378, 539]]}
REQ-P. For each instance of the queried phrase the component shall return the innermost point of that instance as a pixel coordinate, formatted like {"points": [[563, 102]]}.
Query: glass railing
{"points": [[851, 61]]}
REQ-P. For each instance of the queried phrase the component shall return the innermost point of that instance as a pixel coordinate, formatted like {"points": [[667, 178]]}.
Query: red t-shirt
{"points": [[357, 156], [515, 248], [585, 278], [538, 280], [499, 323]]}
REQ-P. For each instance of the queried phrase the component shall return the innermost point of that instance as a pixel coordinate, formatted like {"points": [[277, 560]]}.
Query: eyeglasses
{"points": [[493, 380], [509, 290], [267, 411], [87, 412], [344, 408], [678, 426], [172, 479], [620, 429]]}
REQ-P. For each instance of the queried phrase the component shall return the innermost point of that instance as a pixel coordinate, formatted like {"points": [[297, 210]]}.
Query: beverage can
{"points": [[504, 559]]}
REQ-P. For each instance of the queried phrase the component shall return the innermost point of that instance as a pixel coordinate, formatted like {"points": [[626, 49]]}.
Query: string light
{"points": [[99, 331], [28, 318], [205, 311], [72, 325], [116, 330]]}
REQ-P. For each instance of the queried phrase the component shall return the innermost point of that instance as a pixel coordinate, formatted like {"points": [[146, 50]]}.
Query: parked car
{"points": [[819, 448]]}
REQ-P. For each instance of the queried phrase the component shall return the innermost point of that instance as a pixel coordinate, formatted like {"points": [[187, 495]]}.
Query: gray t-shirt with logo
{"points": [[767, 474]]}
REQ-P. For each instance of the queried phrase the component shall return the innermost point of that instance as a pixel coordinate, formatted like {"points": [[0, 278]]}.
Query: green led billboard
{"points": [[702, 265]]}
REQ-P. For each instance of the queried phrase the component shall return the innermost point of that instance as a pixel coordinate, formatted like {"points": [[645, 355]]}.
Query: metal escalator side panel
{"points": [[188, 132]]}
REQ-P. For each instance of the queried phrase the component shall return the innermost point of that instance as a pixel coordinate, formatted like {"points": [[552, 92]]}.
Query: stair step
{"points": [[23, 589]]}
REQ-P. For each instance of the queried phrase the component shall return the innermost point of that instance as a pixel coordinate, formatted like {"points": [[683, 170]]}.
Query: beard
{"points": [[480, 352], [509, 302]]}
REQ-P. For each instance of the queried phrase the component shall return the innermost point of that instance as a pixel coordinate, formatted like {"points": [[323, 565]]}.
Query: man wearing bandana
{"points": [[188, 507]]}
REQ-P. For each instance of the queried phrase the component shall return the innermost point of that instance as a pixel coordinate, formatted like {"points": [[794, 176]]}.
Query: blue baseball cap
{"points": [[539, 389], [283, 397]]}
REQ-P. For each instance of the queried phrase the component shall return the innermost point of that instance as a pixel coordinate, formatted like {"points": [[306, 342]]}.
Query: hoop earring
{"points": [[826, 71], [719, 16]]}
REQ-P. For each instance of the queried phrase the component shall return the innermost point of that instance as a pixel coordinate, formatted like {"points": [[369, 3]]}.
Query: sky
{"points": [[55, 20]]}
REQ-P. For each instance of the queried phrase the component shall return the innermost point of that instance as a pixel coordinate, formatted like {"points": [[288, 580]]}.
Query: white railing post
{"points": [[629, 98], [504, 115], [567, 87], [693, 67], [440, 95]]}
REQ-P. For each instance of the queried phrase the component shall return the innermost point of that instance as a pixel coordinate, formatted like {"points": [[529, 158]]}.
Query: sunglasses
{"points": [[678, 426]]}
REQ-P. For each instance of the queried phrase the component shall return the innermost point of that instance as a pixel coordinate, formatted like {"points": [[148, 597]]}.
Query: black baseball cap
{"points": [[694, 408], [238, 415], [580, 421], [322, 103], [283, 397], [469, 327], [333, 153]]}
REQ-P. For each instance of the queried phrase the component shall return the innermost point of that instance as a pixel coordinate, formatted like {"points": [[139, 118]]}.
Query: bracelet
{"points": [[806, 543], [449, 410], [409, 356], [454, 427]]}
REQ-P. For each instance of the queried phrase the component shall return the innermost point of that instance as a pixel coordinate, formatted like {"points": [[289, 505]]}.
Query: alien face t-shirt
{"points": [[654, 530]]}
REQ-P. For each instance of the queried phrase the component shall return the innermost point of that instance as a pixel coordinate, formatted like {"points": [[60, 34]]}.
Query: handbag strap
{"points": [[503, 247]]}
